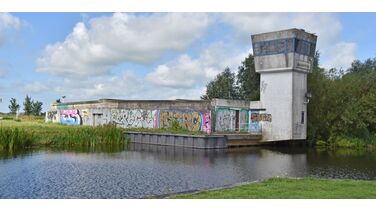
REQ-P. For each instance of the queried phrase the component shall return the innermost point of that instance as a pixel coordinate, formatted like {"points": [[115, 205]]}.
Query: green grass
{"points": [[286, 188], [23, 134], [348, 142]]}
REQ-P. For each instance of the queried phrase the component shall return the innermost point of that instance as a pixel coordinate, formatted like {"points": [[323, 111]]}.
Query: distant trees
{"points": [[243, 85], [32, 107], [13, 106], [37, 108], [248, 80], [223, 86], [28, 105]]}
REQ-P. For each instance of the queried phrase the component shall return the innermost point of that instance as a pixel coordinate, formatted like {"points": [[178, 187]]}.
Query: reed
{"points": [[15, 135]]}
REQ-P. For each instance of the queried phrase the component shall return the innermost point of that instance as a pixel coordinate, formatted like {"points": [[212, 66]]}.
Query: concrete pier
{"points": [[194, 141]]}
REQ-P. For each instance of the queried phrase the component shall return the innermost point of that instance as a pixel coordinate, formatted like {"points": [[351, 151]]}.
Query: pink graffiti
{"points": [[70, 117], [207, 122]]}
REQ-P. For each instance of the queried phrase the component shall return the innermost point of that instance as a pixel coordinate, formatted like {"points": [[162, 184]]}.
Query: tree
{"points": [[13, 106], [343, 103], [223, 86], [248, 80], [36, 108], [28, 105]]}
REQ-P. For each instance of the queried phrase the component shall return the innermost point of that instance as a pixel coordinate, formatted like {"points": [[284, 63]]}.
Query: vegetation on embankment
{"points": [[24, 134], [342, 110], [286, 188]]}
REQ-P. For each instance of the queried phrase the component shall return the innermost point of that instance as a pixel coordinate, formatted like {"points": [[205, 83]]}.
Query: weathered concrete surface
{"points": [[235, 104], [179, 140], [283, 59]]}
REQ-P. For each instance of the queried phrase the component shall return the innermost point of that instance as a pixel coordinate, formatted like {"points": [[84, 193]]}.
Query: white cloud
{"points": [[8, 23], [109, 41], [116, 86], [341, 56], [35, 87], [186, 72], [325, 25]]}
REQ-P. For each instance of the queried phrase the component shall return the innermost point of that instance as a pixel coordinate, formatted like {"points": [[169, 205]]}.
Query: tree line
{"points": [[343, 103], [30, 107]]}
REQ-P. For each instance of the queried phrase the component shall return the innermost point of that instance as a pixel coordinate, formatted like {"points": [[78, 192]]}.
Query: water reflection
{"points": [[141, 170]]}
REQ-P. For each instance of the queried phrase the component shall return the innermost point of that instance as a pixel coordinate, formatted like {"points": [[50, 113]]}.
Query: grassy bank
{"points": [[349, 142], [285, 188], [23, 134]]}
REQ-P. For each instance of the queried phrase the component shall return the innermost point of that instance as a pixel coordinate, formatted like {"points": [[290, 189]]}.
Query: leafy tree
{"points": [[36, 108], [319, 105], [248, 80], [223, 86], [13, 106], [343, 103], [28, 105]]}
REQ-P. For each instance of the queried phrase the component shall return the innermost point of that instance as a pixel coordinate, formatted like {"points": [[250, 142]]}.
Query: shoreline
{"points": [[286, 188]]}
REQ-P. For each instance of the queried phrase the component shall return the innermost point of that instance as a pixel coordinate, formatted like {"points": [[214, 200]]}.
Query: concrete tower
{"points": [[283, 59]]}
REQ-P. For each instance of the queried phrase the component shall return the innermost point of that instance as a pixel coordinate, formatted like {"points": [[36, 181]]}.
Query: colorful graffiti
{"points": [[137, 118], [70, 117], [231, 120], [190, 120], [51, 116], [262, 117], [254, 126], [225, 120]]}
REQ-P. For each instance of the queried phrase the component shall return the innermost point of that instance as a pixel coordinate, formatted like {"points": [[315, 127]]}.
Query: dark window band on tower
{"points": [[282, 46]]}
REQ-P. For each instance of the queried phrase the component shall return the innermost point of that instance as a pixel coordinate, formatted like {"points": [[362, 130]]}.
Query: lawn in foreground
{"points": [[286, 188]]}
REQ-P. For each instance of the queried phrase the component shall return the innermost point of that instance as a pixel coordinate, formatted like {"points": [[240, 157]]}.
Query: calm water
{"points": [[139, 171]]}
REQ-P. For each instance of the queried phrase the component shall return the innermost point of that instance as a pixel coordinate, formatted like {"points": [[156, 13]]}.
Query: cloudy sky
{"points": [[152, 55]]}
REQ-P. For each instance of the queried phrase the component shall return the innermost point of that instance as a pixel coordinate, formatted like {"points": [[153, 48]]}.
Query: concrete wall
{"points": [[220, 115], [276, 96], [191, 115], [299, 107]]}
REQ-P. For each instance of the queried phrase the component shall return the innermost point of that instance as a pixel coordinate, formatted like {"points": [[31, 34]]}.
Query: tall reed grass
{"points": [[21, 135]]}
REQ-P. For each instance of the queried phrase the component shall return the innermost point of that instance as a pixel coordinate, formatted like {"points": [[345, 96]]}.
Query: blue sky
{"points": [[152, 55]]}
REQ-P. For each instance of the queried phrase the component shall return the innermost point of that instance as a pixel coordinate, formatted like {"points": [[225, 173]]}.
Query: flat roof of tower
{"points": [[286, 33]]}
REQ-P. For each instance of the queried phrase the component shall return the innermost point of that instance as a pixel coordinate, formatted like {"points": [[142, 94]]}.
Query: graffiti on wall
{"points": [[231, 120], [257, 119], [243, 120], [225, 120], [263, 117], [70, 117], [254, 125], [190, 120], [136, 118], [85, 117], [51, 116]]}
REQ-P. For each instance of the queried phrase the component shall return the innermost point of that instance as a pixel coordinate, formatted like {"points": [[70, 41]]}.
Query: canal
{"points": [[142, 171]]}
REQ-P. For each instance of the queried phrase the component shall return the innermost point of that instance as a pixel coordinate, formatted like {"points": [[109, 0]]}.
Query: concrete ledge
{"points": [[181, 140]]}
